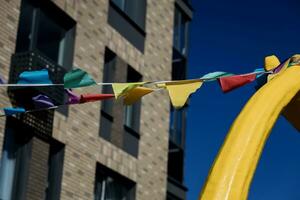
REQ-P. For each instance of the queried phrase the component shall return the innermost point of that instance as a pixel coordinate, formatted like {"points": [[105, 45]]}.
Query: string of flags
{"points": [[178, 90]]}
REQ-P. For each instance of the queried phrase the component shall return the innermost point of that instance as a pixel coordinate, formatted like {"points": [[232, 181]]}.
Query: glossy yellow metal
{"points": [[233, 169]]}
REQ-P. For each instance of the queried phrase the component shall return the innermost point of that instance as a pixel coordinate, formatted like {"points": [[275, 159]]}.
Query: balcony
{"points": [[41, 121]]}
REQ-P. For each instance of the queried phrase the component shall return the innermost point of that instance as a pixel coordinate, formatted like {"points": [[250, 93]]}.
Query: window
{"points": [[172, 197], [177, 121], [25, 158], [175, 158], [46, 28], [181, 30], [14, 161], [128, 18], [119, 128], [55, 168], [178, 116], [107, 105], [134, 9], [132, 112], [177, 125], [132, 118], [179, 67], [110, 185]]}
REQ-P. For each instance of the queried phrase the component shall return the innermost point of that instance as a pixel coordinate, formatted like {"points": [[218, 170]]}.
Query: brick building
{"points": [[98, 150]]}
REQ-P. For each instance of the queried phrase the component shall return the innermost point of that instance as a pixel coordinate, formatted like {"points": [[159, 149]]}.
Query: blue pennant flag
{"points": [[12, 111], [35, 77]]}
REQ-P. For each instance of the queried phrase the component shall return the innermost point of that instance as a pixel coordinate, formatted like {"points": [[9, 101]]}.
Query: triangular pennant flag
{"points": [[12, 111], [95, 97], [282, 66], [179, 91], [135, 94], [120, 89], [72, 97], [35, 77], [271, 62], [77, 78], [231, 82], [279, 69], [214, 75], [42, 101]]}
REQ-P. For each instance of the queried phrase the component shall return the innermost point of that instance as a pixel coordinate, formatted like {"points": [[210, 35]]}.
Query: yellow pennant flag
{"points": [[271, 62], [135, 94], [179, 91], [120, 89]]}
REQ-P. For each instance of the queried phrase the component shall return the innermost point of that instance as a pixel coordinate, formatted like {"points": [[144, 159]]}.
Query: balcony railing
{"points": [[41, 121]]}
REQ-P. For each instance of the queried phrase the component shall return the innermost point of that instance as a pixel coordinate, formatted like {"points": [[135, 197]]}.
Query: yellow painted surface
{"points": [[271, 62], [234, 167]]}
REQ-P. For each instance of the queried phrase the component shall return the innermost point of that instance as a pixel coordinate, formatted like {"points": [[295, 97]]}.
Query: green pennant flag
{"points": [[77, 78], [214, 75], [121, 89]]}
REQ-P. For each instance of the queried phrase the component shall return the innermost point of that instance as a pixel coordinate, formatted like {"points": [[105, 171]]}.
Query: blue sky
{"points": [[235, 36]]}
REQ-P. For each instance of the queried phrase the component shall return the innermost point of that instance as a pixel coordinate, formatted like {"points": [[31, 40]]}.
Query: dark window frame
{"points": [[178, 126], [22, 147], [179, 72], [103, 172], [55, 170], [126, 26], [125, 14], [131, 136], [132, 125], [181, 44], [133, 76], [57, 16], [106, 113], [23, 159]]}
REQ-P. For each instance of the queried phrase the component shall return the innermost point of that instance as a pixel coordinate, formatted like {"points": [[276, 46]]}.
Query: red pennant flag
{"points": [[84, 98], [229, 83]]}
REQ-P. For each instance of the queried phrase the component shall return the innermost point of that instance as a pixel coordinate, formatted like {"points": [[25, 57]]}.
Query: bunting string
{"points": [[178, 90], [204, 78]]}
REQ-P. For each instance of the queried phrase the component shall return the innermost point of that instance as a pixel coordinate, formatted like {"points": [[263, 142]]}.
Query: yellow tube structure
{"points": [[234, 167]]}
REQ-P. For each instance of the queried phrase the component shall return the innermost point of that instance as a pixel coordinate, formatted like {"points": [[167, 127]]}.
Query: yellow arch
{"points": [[233, 169]]}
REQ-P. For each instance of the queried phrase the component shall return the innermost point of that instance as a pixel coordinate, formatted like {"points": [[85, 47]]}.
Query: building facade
{"points": [[98, 150]]}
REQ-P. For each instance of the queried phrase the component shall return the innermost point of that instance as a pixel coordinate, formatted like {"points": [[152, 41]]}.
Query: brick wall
{"points": [[80, 131], [9, 15]]}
